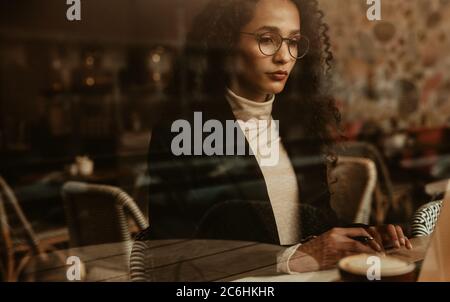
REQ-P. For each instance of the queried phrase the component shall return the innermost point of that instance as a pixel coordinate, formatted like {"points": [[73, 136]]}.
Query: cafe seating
{"points": [[13, 262], [97, 214], [137, 262], [383, 194], [352, 183], [425, 218]]}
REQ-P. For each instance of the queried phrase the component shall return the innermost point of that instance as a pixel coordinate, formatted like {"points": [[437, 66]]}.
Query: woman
{"points": [[250, 49]]}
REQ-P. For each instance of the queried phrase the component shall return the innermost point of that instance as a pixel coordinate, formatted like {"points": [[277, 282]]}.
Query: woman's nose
{"points": [[282, 55]]}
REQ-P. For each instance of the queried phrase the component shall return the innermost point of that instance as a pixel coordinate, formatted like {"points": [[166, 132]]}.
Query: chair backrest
{"points": [[10, 198], [352, 183], [138, 262], [97, 214], [384, 201], [436, 264], [10, 270], [425, 218]]}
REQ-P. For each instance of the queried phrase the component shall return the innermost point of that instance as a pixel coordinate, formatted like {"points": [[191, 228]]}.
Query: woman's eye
{"points": [[266, 40]]}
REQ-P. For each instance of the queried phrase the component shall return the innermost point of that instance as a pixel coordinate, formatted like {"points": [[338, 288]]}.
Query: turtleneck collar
{"points": [[245, 109]]}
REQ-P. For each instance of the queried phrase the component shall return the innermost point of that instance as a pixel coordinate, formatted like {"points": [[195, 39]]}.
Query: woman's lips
{"points": [[278, 75]]}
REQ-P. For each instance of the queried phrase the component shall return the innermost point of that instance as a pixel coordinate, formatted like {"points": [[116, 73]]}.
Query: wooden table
{"points": [[190, 260]]}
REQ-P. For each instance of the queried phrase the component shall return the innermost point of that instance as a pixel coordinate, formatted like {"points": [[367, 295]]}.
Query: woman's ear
{"points": [[331, 161]]}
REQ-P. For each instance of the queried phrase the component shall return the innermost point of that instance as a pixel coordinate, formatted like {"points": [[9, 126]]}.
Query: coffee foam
{"points": [[389, 266]]}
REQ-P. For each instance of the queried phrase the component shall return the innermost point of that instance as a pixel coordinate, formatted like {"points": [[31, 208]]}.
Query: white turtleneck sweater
{"points": [[280, 178]]}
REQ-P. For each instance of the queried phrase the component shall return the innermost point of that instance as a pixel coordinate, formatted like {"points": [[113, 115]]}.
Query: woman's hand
{"points": [[326, 250], [390, 236]]}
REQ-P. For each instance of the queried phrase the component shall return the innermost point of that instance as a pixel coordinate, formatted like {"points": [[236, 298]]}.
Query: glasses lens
{"points": [[299, 47], [269, 43]]}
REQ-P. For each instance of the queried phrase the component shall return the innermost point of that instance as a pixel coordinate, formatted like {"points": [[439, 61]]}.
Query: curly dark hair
{"points": [[305, 101]]}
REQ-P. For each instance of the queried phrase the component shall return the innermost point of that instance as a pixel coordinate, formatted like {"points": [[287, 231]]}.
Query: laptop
{"points": [[436, 264]]}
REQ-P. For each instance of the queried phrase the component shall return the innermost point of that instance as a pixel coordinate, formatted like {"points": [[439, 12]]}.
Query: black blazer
{"points": [[225, 197]]}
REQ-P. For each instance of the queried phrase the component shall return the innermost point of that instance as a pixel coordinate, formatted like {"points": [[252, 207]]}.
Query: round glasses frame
{"points": [[258, 38]]}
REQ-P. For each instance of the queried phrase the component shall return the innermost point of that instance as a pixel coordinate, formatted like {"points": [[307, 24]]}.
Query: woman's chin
{"points": [[275, 88]]}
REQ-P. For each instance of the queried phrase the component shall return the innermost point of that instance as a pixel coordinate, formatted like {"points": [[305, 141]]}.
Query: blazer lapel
{"points": [[253, 187]]}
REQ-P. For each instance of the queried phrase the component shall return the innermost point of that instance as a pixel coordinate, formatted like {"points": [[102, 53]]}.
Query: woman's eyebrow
{"points": [[268, 28], [276, 29]]}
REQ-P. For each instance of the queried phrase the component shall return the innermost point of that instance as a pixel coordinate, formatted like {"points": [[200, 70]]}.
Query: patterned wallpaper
{"points": [[395, 68]]}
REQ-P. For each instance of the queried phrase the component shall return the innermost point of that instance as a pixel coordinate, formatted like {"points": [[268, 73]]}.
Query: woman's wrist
{"points": [[297, 259], [284, 258], [302, 260]]}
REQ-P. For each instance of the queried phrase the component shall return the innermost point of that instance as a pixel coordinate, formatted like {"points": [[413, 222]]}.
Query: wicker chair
{"points": [[425, 218], [10, 265], [138, 262], [97, 214], [352, 183], [383, 192]]}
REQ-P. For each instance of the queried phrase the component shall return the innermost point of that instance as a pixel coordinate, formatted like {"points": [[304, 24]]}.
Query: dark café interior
{"points": [[101, 181]]}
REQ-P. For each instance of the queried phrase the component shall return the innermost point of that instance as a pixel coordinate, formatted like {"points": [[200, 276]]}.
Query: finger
{"points": [[374, 245], [349, 253], [400, 235], [362, 248], [356, 247], [355, 232], [409, 245], [392, 232], [377, 239], [377, 235], [361, 232]]}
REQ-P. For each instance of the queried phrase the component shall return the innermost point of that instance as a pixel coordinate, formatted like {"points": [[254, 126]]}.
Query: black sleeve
{"points": [[317, 215], [169, 215]]}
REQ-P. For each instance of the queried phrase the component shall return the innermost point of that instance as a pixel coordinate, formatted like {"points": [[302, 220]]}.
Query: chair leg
{"points": [[22, 264]]}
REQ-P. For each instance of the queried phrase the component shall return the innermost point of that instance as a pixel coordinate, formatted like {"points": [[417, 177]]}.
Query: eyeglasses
{"points": [[271, 42]]}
